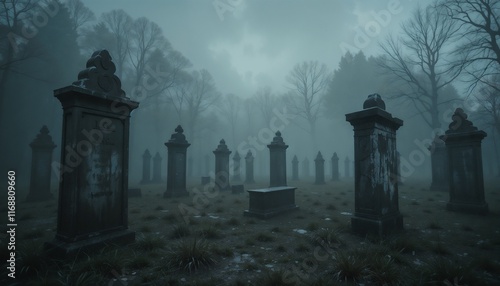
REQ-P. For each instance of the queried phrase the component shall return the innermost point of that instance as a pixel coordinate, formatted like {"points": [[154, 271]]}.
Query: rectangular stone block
{"points": [[269, 202]]}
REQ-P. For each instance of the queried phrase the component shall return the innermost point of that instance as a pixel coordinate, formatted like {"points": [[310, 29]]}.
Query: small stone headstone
{"points": [[335, 167], [176, 169], [222, 166], [249, 160], [236, 167], [277, 155], [320, 169], [156, 168], [146, 167]]}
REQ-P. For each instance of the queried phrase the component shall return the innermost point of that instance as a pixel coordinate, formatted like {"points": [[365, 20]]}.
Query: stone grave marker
{"points": [[236, 167], [176, 164], [335, 167], [320, 169], [376, 199], [249, 168], [156, 168], [93, 202], [146, 167], [41, 160], [465, 165], [295, 168], [222, 166]]}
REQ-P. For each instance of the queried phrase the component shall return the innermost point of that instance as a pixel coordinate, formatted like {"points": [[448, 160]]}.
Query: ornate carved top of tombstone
{"points": [[236, 156], [319, 157], [335, 157], [249, 155], [374, 100], [146, 154], [99, 76], [278, 140], [222, 147], [295, 160], [178, 138], [43, 139], [460, 123]]}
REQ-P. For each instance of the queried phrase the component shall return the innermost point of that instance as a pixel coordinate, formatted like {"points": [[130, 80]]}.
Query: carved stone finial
{"points": [[99, 75], [179, 129], [178, 136], [43, 139], [460, 123], [374, 100]]}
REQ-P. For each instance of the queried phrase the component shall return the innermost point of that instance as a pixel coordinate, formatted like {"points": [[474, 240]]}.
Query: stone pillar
{"points": [[176, 164], [320, 169], [93, 200], [347, 167], [305, 169], [236, 167], [222, 166], [190, 167], [335, 167], [249, 168], [295, 168], [41, 161], [398, 163], [277, 163], [146, 167], [465, 165], [439, 165], [376, 200], [157, 168]]}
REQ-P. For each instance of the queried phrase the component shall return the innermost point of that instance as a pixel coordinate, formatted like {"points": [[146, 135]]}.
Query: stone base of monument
{"points": [[471, 208], [237, 189], [134, 193], [57, 248], [362, 225], [266, 203]]}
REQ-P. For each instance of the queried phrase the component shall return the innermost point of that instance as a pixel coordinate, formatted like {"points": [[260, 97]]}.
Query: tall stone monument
{"points": [[439, 165], [465, 165], [320, 169], [41, 160], [376, 200], [146, 167], [249, 168], [93, 201], [156, 168], [277, 156], [222, 166], [236, 167], [295, 168], [176, 164], [335, 167]]}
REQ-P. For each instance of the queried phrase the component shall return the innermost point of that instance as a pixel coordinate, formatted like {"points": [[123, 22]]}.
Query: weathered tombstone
{"points": [[305, 169], [222, 166], [335, 167], [347, 167], [376, 187], [439, 165], [295, 168], [237, 189], [176, 164], [278, 198], [249, 168], [41, 159], [146, 167], [156, 168], [465, 165], [320, 169], [277, 156], [398, 162], [134, 193], [236, 167], [93, 203]]}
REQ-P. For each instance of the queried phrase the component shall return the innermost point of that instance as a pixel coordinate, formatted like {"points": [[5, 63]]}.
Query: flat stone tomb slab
{"points": [[269, 202]]}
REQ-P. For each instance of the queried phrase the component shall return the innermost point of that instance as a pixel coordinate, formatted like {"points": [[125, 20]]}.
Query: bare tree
{"points": [[230, 107], [79, 14], [489, 101], [265, 101], [418, 59], [478, 51], [308, 81]]}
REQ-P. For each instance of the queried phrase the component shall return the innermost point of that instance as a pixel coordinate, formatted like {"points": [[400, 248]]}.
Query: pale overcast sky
{"points": [[246, 44]]}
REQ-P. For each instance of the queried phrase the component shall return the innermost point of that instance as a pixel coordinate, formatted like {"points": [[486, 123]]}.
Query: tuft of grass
{"points": [[104, 264], [312, 226], [233, 221], [434, 225], [210, 232], [32, 260], [301, 248], [331, 207], [327, 238], [439, 271], [275, 229], [190, 256], [275, 278], [179, 231], [34, 234], [281, 248], [349, 267], [383, 271]]}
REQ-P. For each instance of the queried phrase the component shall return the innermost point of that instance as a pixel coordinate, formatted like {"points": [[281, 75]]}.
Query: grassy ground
{"points": [[206, 240]]}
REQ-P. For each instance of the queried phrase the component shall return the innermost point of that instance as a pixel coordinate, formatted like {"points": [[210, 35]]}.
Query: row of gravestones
{"points": [[93, 203]]}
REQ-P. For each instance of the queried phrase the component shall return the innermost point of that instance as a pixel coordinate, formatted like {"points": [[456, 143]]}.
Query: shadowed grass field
{"points": [[189, 241]]}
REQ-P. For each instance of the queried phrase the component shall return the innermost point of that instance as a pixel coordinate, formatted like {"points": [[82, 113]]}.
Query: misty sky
{"points": [[256, 43]]}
